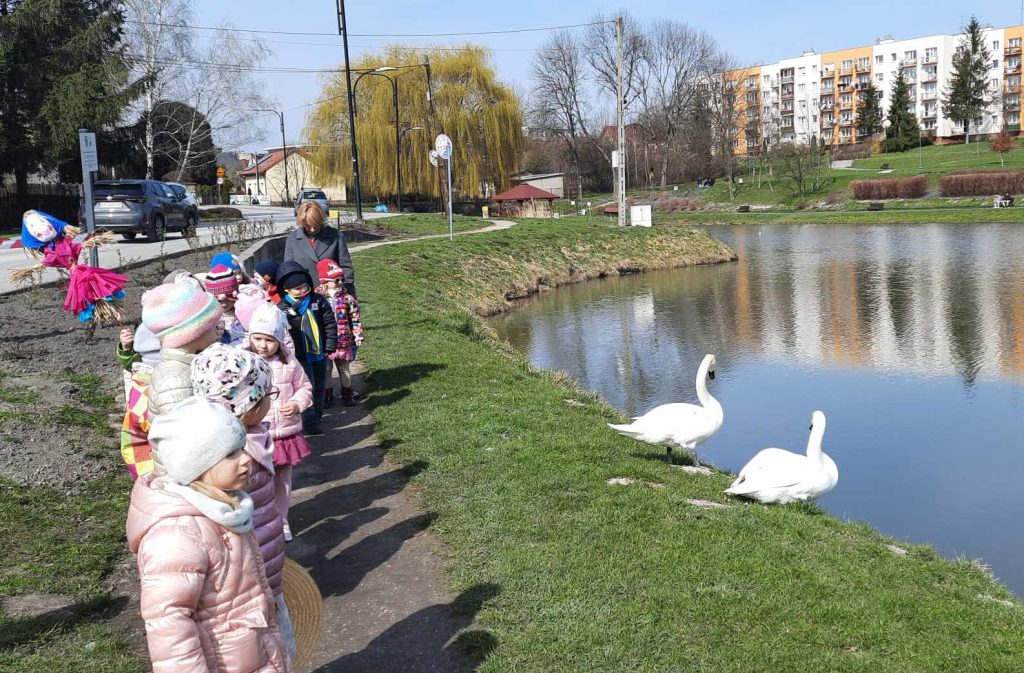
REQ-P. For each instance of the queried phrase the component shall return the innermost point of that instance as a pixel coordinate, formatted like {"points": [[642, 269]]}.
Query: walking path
{"points": [[497, 226], [363, 535]]}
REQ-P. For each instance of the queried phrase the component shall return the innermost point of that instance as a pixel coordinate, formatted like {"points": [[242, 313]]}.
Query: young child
{"points": [[185, 320], [242, 381], [350, 328], [222, 283], [268, 332], [205, 599], [233, 263], [138, 350], [315, 333], [266, 276]]}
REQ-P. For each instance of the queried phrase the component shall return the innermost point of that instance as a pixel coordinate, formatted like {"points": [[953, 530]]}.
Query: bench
{"points": [[743, 209], [876, 205]]}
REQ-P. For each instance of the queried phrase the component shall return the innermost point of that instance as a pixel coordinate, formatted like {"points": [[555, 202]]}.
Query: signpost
{"points": [[443, 149], [90, 163]]}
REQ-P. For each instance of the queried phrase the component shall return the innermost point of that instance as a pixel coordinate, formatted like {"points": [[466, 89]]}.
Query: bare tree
{"points": [[158, 43], [670, 75], [559, 74], [723, 84], [602, 56]]}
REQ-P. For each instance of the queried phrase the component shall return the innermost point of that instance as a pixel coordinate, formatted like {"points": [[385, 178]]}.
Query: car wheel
{"points": [[190, 226], [157, 230], [128, 235]]}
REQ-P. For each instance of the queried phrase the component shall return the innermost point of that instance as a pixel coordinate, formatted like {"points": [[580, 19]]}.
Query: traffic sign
{"points": [[87, 145], [220, 172], [433, 158], [443, 145], [220, 180]]}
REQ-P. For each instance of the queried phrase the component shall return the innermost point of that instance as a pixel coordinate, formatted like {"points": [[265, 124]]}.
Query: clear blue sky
{"points": [[753, 32]]}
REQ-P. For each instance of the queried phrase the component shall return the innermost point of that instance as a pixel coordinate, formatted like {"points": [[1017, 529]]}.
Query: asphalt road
{"points": [[140, 250]]}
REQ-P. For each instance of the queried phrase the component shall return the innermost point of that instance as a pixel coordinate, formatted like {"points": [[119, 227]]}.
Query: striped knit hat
{"points": [[222, 283], [178, 314]]}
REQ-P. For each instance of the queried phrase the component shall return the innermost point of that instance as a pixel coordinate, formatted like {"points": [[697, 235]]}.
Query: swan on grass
{"points": [[776, 476], [682, 426]]}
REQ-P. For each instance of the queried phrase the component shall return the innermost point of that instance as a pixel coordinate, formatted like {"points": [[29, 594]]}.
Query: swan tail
{"points": [[626, 430]]}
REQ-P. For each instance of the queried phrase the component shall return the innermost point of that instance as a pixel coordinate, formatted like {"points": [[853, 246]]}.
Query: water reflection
{"points": [[910, 337]]}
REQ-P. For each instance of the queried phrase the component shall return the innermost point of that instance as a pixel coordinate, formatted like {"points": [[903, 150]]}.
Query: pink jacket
{"points": [[205, 599], [266, 520], [291, 380]]}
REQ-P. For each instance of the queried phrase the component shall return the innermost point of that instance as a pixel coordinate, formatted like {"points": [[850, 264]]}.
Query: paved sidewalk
{"points": [[362, 533], [497, 225]]}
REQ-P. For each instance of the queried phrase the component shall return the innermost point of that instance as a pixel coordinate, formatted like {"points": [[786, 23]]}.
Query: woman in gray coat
{"points": [[312, 241]]}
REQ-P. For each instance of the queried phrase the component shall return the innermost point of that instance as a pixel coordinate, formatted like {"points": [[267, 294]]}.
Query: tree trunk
{"points": [[149, 133], [21, 181], [664, 172]]}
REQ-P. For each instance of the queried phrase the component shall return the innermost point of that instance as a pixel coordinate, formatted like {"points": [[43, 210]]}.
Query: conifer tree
{"points": [[903, 131], [869, 110], [969, 93]]}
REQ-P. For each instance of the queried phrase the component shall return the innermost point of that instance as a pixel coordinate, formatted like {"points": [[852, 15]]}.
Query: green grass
{"points": [[425, 224], [600, 578]]}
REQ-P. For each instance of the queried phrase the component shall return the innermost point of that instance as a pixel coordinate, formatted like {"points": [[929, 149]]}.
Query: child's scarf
{"points": [[311, 337]]}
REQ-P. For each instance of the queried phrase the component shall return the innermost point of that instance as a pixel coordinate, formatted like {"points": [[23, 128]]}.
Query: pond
{"points": [[909, 338]]}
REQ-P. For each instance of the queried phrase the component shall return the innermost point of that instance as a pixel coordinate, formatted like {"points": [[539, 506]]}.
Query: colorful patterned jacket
{"points": [[346, 311], [135, 449]]}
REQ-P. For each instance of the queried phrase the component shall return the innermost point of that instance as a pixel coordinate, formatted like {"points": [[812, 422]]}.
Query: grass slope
{"points": [[595, 577], [424, 224]]}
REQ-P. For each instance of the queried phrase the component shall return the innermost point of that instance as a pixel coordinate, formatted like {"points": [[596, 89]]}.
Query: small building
{"points": [[549, 182], [266, 177], [525, 201]]}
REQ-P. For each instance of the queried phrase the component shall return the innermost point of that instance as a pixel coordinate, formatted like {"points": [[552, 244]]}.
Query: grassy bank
{"points": [[595, 577], [888, 216], [424, 224]]}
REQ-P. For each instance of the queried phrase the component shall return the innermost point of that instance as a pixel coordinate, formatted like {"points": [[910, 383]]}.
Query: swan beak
{"points": [[810, 427], [711, 374]]}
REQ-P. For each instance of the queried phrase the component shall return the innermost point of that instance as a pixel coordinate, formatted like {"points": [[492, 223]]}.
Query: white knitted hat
{"points": [[269, 319], [193, 436]]}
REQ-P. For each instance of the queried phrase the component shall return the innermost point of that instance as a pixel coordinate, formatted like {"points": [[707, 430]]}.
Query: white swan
{"points": [[778, 476], [680, 425]]}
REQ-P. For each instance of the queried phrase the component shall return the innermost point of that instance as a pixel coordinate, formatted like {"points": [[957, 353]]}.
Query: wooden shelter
{"points": [[525, 201]]}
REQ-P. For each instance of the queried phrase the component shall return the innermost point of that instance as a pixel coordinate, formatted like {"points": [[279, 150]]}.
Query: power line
{"points": [[289, 32]]}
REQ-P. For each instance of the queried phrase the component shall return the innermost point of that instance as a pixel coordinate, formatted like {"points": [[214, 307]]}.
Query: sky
{"points": [[753, 32]]}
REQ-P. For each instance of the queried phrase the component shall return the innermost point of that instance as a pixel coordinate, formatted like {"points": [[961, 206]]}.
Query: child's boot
{"points": [[349, 397], [328, 398]]}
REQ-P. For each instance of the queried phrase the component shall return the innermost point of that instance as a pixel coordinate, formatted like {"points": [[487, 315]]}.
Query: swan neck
{"points": [[706, 400], [814, 443]]}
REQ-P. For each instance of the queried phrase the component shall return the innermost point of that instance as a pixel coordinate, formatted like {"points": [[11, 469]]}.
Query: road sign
{"points": [[87, 145], [443, 145], [220, 172], [433, 158], [220, 180]]}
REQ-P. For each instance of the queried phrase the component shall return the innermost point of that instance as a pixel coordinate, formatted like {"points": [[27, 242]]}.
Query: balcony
{"points": [[827, 123], [860, 86], [910, 79], [1011, 67], [846, 122], [930, 95], [827, 106], [846, 71], [930, 58], [787, 79], [1010, 104], [1010, 51], [1011, 88], [828, 75], [929, 77], [863, 67], [930, 113], [846, 106], [787, 95], [908, 62]]}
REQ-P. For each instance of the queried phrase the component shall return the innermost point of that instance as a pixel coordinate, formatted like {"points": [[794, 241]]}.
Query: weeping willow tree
{"points": [[483, 117]]}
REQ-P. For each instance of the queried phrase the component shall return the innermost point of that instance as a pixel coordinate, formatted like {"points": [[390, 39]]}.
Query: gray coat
{"points": [[328, 244]]}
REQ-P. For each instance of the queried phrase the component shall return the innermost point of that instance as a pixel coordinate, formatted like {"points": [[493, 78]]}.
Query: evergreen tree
{"points": [[903, 132], [61, 68], [969, 92], [869, 110]]}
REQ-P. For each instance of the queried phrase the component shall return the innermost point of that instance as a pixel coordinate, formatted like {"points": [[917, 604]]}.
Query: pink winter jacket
{"points": [[205, 599], [266, 520], [291, 380]]}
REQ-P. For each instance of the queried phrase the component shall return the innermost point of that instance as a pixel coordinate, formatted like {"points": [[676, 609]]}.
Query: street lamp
{"points": [[284, 149], [343, 29], [398, 131]]}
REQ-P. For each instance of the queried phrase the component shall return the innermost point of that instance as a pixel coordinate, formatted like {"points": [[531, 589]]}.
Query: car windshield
{"points": [[313, 194], [117, 189]]}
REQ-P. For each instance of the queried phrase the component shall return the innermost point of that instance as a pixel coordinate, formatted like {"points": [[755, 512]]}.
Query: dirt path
{"points": [[497, 226]]}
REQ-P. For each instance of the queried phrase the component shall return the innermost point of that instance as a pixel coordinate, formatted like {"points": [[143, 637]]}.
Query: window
{"points": [[847, 64], [995, 83], [880, 77], [863, 62], [995, 45], [846, 98], [894, 58], [1013, 80], [880, 59], [801, 88], [1014, 42], [1013, 118], [995, 63], [803, 71], [767, 79]]}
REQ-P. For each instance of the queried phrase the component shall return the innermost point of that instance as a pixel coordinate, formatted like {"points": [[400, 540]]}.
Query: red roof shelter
{"points": [[525, 201]]}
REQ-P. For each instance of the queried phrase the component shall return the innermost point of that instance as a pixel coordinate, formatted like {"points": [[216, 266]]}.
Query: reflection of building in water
{"points": [[947, 300]]}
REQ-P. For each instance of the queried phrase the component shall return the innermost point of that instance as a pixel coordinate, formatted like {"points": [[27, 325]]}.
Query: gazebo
{"points": [[525, 201]]}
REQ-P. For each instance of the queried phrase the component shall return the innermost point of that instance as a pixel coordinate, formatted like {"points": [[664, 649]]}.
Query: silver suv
{"points": [[311, 194], [149, 207]]}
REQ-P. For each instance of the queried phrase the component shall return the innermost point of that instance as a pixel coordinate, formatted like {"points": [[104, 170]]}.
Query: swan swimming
{"points": [[779, 476], [685, 426]]}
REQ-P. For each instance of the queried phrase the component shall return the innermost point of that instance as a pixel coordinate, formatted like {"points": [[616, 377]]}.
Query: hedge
{"points": [[890, 188], [982, 183]]}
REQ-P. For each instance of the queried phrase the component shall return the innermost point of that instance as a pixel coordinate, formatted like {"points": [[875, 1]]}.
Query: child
{"points": [[266, 277], [205, 600], [233, 263], [222, 283], [267, 336], [185, 320], [350, 328], [137, 351], [314, 331], [242, 381]]}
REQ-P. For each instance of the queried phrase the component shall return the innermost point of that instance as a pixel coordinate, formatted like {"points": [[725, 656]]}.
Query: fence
{"points": [[61, 201]]}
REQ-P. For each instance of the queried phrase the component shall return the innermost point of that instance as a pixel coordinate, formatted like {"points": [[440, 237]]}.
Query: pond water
{"points": [[909, 338]]}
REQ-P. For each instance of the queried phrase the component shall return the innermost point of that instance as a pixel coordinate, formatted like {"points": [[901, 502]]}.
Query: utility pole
{"points": [[620, 166], [343, 29]]}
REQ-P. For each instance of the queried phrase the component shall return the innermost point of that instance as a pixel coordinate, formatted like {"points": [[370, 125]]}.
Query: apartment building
{"points": [[816, 95]]}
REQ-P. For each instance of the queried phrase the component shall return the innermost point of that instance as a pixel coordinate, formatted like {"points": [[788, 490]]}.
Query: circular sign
{"points": [[443, 145], [433, 158], [220, 181]]}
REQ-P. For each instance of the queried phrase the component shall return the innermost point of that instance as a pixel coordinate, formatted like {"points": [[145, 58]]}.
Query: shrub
{"points": [[982, 183], [674, 204], [854, 151], [889, 188], [221, 213]]}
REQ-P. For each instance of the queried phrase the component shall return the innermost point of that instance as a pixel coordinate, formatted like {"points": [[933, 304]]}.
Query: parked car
{"points": [[150, 207], [311, 194], [188, 198]]}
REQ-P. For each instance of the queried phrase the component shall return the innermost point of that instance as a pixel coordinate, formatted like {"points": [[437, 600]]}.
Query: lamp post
{"points": [[343, 29], [379, 72], [284, 148], [401, 137]]}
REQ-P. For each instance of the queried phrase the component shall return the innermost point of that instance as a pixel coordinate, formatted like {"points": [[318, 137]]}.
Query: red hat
{"points": [[328, 269], [221, 282]]}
